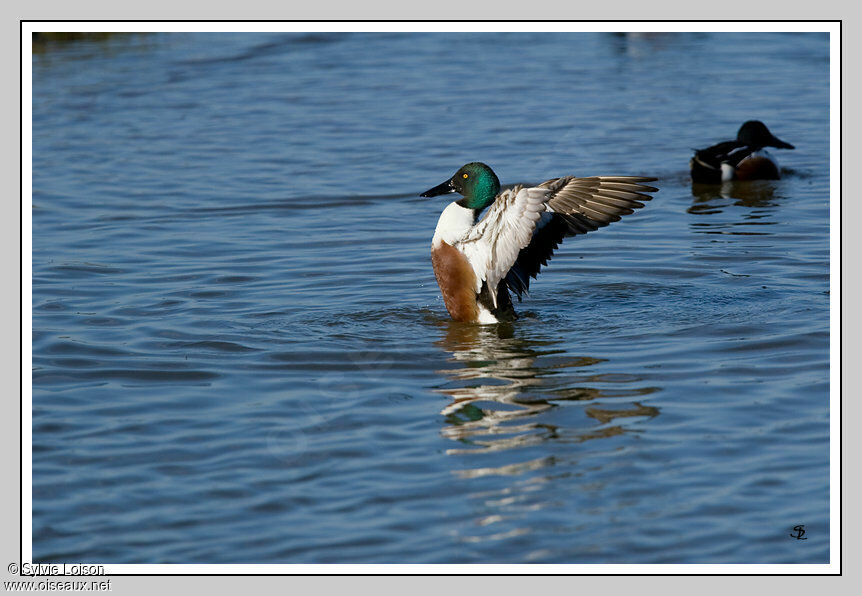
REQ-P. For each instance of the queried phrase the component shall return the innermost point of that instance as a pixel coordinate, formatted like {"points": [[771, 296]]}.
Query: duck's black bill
{"points": [[776, 142], [440, 189]]}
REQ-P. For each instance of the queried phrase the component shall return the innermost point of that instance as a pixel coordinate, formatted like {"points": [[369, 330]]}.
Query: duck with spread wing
{"points": [[478, 261]]}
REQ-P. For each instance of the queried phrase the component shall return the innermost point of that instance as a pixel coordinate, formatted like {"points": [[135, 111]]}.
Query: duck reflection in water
{"points": [[708, 198], [501, 383]]}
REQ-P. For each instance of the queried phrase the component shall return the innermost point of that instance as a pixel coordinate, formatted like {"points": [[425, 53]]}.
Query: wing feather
{"points": [[493, 244], [600, 199], [521, 229], [712, 156], [575, 206]]}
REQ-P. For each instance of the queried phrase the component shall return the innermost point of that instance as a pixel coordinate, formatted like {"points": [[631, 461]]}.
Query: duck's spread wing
{"points": [[492, 246], [591, 203], [575, 206]]}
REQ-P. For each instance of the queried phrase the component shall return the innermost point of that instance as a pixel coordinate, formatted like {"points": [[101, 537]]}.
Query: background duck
{"points": [[476, 261], [742, 159]]}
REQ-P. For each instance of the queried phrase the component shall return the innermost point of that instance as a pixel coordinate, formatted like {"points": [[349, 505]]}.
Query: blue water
{"points": [[240, 353]]}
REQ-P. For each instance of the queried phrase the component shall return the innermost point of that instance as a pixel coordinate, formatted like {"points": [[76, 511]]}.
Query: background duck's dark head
{"points": [[755, 134]]}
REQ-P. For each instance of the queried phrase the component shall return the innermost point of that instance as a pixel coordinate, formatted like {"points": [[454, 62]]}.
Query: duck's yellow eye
{"points": [[466, 175]]}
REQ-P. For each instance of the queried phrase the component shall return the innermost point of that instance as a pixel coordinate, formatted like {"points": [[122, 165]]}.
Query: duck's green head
{"points": [[475, 181]]}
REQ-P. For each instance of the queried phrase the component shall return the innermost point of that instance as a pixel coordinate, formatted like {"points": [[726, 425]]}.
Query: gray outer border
{"points": [[441, 9]]}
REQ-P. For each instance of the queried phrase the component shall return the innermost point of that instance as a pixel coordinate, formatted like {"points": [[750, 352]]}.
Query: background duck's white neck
{"points": [[453, 225]]}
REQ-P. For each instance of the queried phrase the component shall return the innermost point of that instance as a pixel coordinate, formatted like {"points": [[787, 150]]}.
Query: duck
{"points": [[743, 159], [478, 261]]}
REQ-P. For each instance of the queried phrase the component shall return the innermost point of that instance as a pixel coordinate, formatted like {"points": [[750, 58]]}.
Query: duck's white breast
{"points": [[453, 225]]}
